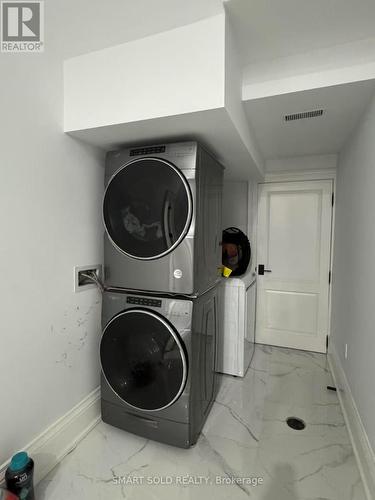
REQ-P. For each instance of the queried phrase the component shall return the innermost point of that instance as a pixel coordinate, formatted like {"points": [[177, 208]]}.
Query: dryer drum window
{"points": [[147, 208], [143, 359]]}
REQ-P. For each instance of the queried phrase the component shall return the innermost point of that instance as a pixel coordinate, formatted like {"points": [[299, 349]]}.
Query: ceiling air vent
{"points": [[303, 115]]}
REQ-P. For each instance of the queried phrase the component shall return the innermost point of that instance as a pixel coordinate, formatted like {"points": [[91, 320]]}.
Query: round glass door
{"points": [[143, 360], [147, 208]]}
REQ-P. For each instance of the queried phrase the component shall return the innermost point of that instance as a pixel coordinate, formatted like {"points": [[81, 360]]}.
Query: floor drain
{"points": [[296, 423]]}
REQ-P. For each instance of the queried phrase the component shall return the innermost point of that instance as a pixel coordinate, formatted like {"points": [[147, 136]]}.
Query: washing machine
{"points": [[162, 216], [158, 357]]}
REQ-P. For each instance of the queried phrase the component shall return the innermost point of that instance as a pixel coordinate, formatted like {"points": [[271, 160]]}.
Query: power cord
{"points": [[92, 276]]}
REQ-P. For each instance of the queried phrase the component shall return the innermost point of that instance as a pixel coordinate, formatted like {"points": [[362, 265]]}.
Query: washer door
{"points": [[147, 208], [143, 359]]}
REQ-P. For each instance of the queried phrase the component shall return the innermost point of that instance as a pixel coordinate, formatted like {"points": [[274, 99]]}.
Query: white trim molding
{"points": [[55, 442], [361, 445], [302, 175]]}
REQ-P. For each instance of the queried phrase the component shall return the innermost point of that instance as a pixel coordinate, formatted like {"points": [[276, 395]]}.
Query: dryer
{"points": [[158, 358], [162, 215]]}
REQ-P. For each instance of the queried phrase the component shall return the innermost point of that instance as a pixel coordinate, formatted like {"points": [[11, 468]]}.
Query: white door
{"points": [[294, 240]]}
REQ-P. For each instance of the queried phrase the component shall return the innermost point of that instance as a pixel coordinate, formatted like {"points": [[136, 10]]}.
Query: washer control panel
{"points": [[143, 301], [147, 151]]}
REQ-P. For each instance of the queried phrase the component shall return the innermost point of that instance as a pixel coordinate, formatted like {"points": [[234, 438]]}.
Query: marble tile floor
{"points": [[246, 450]]}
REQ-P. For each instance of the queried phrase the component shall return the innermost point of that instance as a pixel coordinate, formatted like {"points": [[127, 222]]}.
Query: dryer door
{"points": [[143, 359], [147, 208]]}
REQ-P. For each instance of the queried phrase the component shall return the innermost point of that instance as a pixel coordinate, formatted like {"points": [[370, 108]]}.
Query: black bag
{"points": [[236, 251]]}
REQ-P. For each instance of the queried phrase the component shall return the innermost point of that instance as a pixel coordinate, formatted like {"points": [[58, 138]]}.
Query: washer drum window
{"points": [[147, 208], [143, 359]]}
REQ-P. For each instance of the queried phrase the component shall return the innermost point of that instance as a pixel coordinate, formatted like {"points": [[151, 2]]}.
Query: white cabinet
{"points": [[237, 333]]}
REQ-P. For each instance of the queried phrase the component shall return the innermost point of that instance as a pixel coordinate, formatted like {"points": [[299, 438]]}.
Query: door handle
{"points": [[261, 270]]}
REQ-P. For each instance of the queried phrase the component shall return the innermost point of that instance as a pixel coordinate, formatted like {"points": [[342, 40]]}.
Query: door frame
{"points": [[296, 176]]}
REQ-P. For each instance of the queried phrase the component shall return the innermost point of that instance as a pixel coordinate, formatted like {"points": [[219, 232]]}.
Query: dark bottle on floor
{"points": [[19, 476]]}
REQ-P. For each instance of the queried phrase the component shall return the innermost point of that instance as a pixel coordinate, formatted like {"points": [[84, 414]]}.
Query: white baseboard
{"points": [[54, 443], [362, 449]]}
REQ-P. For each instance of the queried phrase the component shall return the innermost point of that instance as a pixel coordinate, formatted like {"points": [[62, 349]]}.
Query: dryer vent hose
{"points": [[91, 275]]}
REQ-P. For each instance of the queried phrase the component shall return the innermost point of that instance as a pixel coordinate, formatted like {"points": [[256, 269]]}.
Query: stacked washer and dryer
{"points": [[162, 256]]}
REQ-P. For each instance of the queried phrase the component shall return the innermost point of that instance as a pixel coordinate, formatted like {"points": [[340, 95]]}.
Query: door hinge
{"points": [[329, 277], [333, 199], [327, 341]]}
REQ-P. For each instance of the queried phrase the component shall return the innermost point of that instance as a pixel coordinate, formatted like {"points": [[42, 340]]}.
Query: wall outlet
{"points": [[81, 282], [346, 351]]}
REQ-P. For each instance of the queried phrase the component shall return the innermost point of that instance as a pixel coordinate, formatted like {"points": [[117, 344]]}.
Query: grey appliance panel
{"points": [[179, 313], [194, 265], [147, 426], [122, 271], [204, 379], [196, 323]]}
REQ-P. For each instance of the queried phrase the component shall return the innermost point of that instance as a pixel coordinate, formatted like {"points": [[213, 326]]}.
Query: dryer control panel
{"points": [[143, 301]]}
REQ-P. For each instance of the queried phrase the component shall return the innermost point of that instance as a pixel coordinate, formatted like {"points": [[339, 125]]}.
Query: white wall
{"points": [[235, 205], [302, 163], [50, 214], [170, 73], [233, 97], [240, 210], [353, 300], [50, 197]]}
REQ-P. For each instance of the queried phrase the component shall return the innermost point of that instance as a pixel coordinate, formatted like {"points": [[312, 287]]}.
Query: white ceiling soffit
{"points": [[89, 25], [345, 63], [270, 29], [214, 129], [343, 106]]}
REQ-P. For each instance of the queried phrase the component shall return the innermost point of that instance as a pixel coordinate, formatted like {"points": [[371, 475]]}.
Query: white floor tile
{"points": [[244, 440]]}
